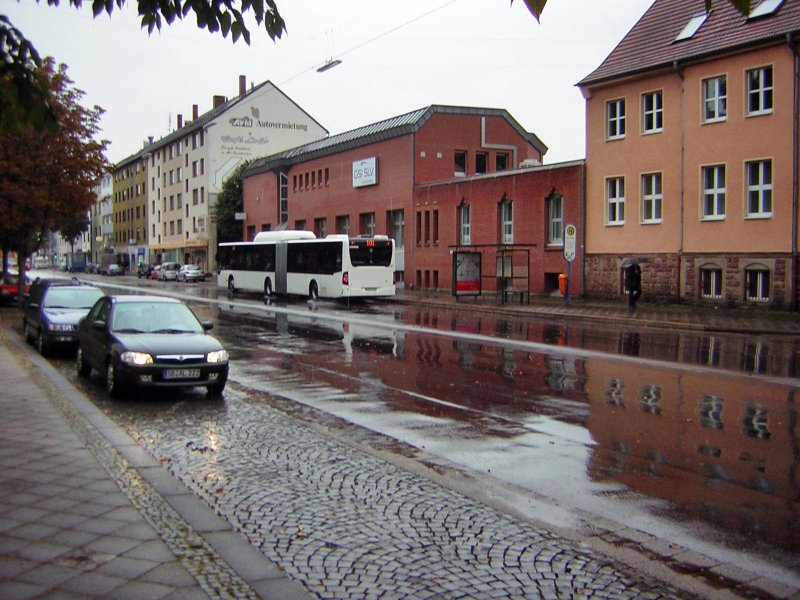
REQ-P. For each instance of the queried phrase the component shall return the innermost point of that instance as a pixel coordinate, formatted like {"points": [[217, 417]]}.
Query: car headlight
{"points": [[60, 327], [136, 358], [217, 356]]}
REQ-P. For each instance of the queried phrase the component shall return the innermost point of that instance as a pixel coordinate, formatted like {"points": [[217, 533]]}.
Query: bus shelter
{"points": [[504, 269]]}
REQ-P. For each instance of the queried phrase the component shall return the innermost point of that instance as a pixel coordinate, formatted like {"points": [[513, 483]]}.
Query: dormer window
{"points": [[766, 8], [691, 27]]}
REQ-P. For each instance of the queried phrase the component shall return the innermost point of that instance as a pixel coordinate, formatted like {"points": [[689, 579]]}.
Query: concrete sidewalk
{"points": [[85, 512], [754, 321]]}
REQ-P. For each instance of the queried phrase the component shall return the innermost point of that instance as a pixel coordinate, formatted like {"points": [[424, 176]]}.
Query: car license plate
{"points": [[182, 374]]}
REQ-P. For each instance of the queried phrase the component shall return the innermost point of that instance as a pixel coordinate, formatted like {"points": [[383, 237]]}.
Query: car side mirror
{"points": [[99, 325], [208, 325]]}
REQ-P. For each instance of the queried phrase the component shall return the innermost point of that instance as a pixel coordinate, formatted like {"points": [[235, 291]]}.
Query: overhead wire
{"points": [[373, 39]]}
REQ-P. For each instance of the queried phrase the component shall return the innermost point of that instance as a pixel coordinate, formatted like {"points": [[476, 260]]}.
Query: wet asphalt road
{"points": [[511, 417]]}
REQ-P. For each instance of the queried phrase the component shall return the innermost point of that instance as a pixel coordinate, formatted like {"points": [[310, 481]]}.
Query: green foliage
{"points": [[23, 98], [230, 200], [73, 226]]}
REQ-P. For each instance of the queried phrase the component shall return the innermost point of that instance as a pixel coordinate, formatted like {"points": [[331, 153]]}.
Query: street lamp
{"points": [[329, 65]]}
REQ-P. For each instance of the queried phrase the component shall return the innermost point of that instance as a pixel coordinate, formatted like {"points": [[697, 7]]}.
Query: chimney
{"points": [[219, 101], [180, 121], [194, 112], [242, 85]]}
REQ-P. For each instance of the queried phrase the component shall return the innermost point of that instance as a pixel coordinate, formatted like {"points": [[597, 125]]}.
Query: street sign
{"points": [[570, 233], [240, 216]]}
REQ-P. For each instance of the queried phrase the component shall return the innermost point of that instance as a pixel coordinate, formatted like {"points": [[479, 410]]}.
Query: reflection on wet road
{"points": [[690, 437], [623, 439]]}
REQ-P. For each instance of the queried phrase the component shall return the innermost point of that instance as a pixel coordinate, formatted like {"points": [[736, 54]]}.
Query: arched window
{"points": [[464, 224], [555, 218], [711, 282], [506, 221]]}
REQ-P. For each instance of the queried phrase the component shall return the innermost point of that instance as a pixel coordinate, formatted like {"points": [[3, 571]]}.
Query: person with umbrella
{"points": [[633, 281]]}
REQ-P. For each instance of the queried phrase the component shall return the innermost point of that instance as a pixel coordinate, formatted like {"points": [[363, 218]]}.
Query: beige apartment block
{"points": [[692, 156], [187, 168]]}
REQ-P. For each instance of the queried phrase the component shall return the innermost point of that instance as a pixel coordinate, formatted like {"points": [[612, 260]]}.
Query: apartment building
{"points": [[102, 215], [186, 169], [692, 161], [129, 211], [411, 177]]}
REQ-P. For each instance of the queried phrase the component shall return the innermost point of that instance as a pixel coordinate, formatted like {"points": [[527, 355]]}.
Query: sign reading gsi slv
{"points": [[365, 172]]}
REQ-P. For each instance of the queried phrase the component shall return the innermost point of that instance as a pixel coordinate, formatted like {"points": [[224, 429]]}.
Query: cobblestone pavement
{"points": [[86, 513], [349, 525]]}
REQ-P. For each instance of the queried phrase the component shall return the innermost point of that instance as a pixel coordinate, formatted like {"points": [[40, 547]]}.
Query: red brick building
{"points": [[411, 177]]}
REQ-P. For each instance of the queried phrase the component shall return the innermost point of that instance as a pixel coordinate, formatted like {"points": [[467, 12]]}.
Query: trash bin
{"points": [[562, 283]]}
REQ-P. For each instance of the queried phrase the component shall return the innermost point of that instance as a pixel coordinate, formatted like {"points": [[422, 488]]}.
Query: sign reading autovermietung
{"points": [[365, 172]]}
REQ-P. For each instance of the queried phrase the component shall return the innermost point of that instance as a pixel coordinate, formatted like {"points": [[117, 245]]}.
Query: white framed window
{"points": [[555, 220], [464, 225], [652, 198], [368, 224], [506, 222], [715, 99], [652, 112], [759, 189], [398, 228], [615, 201], [714, 192], [759, 91], [756, 282], [283, 198], [711, 283], [615, 119]]}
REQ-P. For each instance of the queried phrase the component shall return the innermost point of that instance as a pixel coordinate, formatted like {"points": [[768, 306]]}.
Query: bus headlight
{"points": [[217, 356]]}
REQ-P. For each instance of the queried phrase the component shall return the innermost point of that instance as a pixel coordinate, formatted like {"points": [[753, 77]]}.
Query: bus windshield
{"points": [[370, 252]]}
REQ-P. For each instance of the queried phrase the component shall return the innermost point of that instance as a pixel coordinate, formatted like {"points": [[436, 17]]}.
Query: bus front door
{"points": [[281, 253]]}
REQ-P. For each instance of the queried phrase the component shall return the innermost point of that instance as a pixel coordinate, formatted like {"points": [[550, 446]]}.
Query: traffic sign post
{"points": [[570, 237]]}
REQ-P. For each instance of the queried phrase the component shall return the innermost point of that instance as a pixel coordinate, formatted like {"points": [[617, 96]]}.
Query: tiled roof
{"points": [[376, 132], [650, 44]]}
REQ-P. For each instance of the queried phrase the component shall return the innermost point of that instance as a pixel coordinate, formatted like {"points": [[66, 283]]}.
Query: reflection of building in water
{"points": [[723, 448]]}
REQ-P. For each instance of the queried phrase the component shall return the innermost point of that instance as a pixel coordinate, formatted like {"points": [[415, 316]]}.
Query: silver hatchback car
{"points": [[169, 271]]}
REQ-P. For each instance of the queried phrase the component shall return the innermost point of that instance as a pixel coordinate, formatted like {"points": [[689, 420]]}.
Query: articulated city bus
{"points": [[299, 263]]}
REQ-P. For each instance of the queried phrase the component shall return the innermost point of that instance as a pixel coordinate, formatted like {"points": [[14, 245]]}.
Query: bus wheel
{"points": [[313, 291], [267, 287], [231, 286]]}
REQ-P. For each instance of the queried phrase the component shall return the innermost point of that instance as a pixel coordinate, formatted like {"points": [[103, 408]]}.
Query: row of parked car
{"points": [[171, 271], [137, 342]]}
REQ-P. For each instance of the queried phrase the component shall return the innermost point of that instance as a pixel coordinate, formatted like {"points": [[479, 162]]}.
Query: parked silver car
{"points": [[190, 273], [169, 271]]}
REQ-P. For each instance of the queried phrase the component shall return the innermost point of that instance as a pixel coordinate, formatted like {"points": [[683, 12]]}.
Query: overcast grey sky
{"points": [[396, 57]]}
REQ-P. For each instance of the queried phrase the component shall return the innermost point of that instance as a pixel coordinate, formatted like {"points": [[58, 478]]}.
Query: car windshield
{"points": [[154, 317], [72, 298]]}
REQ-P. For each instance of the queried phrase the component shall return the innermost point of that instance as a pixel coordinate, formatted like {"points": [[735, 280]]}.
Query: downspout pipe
{"points": [[679, 271], [795, 157]]}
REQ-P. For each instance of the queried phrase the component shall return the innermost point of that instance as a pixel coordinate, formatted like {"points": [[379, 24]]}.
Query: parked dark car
{"points": [[114, 269], [143, 270], [52, 310], [150, 341]]}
